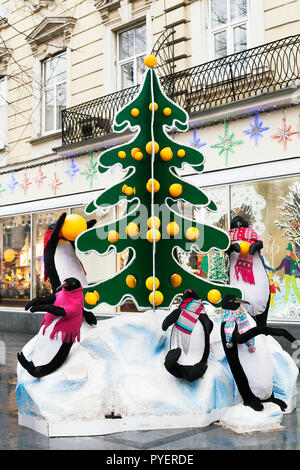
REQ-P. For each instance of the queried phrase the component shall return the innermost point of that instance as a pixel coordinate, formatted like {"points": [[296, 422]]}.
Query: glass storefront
{"points": [[272, 208]]}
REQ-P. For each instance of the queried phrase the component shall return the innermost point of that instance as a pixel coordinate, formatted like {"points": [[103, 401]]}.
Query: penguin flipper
{"points": [[181, 371], [206, 323], [89, 317], [40, 301], [54, 309], [171, 319]]}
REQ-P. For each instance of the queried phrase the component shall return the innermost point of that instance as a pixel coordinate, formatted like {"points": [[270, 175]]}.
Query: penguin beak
{"points": [[240, 301], [62, 286]]}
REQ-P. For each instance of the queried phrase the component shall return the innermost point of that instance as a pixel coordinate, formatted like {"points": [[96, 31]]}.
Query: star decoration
{"points": [[12, 183], [226, 143], [256, 129], [284, 134], [91, 170], [2, 189], [196, 141], [39, 178], [25, 183], [55, 183], [72, 169]]}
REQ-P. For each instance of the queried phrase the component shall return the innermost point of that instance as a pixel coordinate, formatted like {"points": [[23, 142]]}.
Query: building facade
{"points": [[67, 66]]}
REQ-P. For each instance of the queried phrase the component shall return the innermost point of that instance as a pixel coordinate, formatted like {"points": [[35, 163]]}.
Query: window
{"points": [[131, 52], [54, 76], [3, 113], [228, 25]]}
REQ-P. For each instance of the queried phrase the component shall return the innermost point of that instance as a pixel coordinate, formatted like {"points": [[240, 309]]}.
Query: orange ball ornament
{"points": [[73, 225], [122, 154], [155, 106], [166, 154], [175, 189], [149, 147], [150, 60], [156, 222], [158, 298], [135, 112], [192, 233], [167, 112], [132, 229], [128, 191], [214, 296], [91, 298], [149, 283], [181, 153], [138, 156], [113, 236], [172, 229], [130, 281], [156, 185], [175, 280], [244, 248], [134, 151], [153, 234]]}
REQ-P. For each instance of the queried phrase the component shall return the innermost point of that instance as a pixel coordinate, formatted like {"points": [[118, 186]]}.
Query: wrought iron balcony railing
{"points": [[264, 69]]}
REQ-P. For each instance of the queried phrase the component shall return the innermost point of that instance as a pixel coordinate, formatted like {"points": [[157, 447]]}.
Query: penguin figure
{"points": [[61, 262], [247, 272], [60, 328], [189, 342], [250, 360]]}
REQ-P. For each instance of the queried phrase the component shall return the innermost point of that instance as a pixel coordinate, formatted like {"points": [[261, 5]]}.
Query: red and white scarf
{"points": [[244, 264]]}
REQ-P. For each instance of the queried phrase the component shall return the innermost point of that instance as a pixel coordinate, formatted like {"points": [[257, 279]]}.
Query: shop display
{"points": [[152, 189], [189, 342], [60, 328]]}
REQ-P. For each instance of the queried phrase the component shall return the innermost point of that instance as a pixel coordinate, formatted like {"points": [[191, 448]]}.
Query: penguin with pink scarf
{"points": [[59, 329]]}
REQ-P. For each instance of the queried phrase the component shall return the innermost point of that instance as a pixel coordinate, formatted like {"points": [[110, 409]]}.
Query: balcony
{"points": [[250, 73]]}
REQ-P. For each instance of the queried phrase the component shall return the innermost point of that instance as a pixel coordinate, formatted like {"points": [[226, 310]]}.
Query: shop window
{"points": [[132, 48], [272, 208], [15, 261], [54, 74]]}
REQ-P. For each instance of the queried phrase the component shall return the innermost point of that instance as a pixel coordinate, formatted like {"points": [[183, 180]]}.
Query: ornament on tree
{"points": [[218, 270], [155, 237]]}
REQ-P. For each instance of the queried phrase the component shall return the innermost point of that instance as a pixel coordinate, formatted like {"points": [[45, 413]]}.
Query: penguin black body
{"points": [[186, 371], [71, 263], [46, 304], [230, 302]]}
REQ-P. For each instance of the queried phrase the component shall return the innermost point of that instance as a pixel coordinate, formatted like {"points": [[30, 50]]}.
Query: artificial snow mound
{"points": [[117, 371]]}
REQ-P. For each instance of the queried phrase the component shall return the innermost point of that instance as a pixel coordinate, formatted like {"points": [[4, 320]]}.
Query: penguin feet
{"points": [[256, 405], [197, 371], [277, 401]]}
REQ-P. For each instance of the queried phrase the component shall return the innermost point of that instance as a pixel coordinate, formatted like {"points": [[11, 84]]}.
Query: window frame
{"points": [[3, 143], [131, 58], [44, 91], [228, 28]]}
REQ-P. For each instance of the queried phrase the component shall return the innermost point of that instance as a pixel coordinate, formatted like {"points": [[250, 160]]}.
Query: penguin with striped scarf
{"points": [[189, 341]]}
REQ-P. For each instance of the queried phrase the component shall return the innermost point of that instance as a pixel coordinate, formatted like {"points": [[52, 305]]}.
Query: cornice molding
{"points": [[50, 28]]}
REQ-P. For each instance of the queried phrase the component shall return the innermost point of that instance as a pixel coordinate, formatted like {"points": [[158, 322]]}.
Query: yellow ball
{"points": [[138, 156], [172, 229], [153, 234], [135, 112], [73, 225], [192, 233], [156, 222], [149, 283], [167, 112], [130, 281], [9, 255], [181, 153], [124, 188], [122, 154], [159, 298], [214, 296], [134, 151], [244, 248], [150, 60], [155, 106], [128, 191], [132, 229], [156, 185], [175, 280], [166, 154], [113, 236], [91, 298], [175, 189], [149, 147]]}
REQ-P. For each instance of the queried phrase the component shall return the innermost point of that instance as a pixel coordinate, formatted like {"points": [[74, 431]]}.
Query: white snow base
{"points": [[119, 367]]}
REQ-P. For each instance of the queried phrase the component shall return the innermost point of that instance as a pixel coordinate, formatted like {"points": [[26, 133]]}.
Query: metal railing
{"points": [[253, 72]]}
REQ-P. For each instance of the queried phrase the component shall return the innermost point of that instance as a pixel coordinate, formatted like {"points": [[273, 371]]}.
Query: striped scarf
{"points": [[244, 264], [190, 311], [239, 318]]}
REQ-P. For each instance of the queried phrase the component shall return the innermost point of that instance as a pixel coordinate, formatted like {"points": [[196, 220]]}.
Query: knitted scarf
{"points": [[239, 318], [244, 264], [69, 326], [190, 311]]}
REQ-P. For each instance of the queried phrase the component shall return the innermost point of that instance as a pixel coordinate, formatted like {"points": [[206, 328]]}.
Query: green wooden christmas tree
{"points": [[152, 227]]}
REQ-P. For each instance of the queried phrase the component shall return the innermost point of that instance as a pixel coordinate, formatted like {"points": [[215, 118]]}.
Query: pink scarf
{"points": [[69, 326], [244, 264]]}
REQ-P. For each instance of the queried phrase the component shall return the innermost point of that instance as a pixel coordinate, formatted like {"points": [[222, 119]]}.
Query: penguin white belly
{"points": [[193, 354], [46, 348], [67, 263], [256, 294], [258, 365]]}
